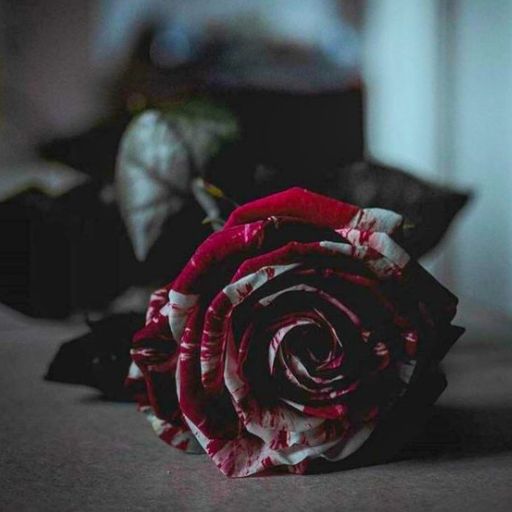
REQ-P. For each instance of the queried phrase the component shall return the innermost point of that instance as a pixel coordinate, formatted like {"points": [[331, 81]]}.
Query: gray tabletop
{"points": [[62, 448]]}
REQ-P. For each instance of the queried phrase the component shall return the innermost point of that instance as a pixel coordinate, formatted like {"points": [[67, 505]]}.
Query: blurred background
{"points": [[422, 85]]}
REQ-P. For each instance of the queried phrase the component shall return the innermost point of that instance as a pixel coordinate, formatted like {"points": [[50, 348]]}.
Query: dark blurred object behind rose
{"points": [[428, 208], [72, 253], [288, 119], [299, 112]]}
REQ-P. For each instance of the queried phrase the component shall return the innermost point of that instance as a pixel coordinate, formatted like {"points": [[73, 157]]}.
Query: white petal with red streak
{"points": [[178, 310]]}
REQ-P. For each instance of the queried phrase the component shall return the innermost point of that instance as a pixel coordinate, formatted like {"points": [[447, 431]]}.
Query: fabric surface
{"points": [[64, 449], [290, 336]]}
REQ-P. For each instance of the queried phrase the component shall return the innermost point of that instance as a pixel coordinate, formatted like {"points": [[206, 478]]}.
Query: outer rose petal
{"points": [[315, 209], [150, 368]]}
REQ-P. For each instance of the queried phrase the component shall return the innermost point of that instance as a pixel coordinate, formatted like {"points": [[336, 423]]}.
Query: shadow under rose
{"points": [[436, 433], [456, 432]]}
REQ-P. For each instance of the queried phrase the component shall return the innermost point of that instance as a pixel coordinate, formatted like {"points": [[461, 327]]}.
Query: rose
{"points": [[289, 336]]}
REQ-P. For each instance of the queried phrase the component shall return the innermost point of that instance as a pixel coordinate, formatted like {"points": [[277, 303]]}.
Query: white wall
{"points": [[482, 149], [400, 67], [439, 77]]}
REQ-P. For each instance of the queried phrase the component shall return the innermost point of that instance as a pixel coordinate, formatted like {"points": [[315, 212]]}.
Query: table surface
{"points": [[62, 448]]}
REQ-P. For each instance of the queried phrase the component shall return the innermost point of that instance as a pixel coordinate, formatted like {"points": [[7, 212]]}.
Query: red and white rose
{"points": [[289, 335]]}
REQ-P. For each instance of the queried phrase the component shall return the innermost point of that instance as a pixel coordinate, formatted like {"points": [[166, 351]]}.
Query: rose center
{"points": [[308, 343]]}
